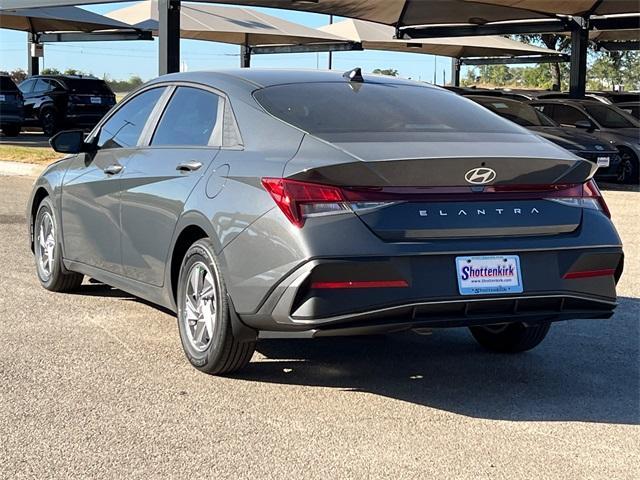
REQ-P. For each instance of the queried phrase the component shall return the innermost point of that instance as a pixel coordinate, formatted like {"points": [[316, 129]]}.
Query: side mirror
{"points": [[69, 141], [584, 124]]}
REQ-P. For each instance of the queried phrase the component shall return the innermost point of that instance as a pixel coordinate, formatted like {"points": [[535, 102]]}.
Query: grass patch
{"points": [[40, 155]]}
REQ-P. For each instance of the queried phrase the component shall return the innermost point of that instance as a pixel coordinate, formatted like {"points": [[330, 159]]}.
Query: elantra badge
{"points": [[480, 175]]}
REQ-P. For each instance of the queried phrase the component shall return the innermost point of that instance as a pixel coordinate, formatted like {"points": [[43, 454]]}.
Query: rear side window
{"points": [[123, 129], [358, 111], [88, 86], [567, 115], [189, 119], [27, 86], [7, 85], [42, 85]]}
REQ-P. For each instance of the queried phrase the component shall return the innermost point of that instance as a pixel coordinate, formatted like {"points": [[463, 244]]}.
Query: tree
{"points": [[18, 75], [560, 43], [392, 72]]}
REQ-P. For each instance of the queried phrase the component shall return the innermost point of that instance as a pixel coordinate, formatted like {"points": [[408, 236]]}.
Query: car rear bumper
{"points": [[431, 297]]}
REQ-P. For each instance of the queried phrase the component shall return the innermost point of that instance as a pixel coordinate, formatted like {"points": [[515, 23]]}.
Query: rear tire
{"points": [[11, 130], [49, 121], [511, 338], [204, 318], [48, 253]]}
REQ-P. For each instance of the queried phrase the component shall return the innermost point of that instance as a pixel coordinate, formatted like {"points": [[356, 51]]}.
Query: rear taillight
{"points": [[583, 195], [301, 200]]}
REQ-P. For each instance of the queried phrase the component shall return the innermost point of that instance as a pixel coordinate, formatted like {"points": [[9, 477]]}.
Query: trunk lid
{"points": [[416, 191]]}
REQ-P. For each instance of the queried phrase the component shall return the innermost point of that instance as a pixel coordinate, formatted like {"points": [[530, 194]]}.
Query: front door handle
{"points": [[113, 169], [190, 166]]}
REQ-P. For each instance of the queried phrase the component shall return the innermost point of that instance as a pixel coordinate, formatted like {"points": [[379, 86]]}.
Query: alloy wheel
{"points": [[46, 245], [200, 307]]}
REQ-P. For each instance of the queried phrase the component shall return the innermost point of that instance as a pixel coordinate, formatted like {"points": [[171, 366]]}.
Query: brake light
{"points": [[606, 272], [299, 200]]}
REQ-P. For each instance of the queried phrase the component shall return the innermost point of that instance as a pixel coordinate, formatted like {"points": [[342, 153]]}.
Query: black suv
{"points": [[11, 107], [58, 102]]}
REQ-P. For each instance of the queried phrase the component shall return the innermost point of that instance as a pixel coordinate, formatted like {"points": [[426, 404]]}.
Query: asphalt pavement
{"points": [[95, 385]]}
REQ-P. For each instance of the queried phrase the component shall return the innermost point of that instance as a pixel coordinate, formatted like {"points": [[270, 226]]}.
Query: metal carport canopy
{"points": [[240, 26], [440, 17], [70, 20]]}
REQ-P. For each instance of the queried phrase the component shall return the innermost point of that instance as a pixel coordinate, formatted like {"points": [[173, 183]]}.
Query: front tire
{"points": [[511, 338], [48, 253], [204, 318]]}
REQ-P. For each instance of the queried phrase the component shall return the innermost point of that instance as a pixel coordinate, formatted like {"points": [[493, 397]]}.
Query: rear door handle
{"points": [[113, 169], [190, 166]]}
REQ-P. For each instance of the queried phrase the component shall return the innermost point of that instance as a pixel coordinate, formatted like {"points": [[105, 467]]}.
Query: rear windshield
{"points": [[88, 86], [518, 112], [7, 85], [354, 111], [610, 117]]}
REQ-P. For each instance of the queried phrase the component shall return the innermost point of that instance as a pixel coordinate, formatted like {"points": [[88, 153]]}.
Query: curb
{"points": [[20, 169]]}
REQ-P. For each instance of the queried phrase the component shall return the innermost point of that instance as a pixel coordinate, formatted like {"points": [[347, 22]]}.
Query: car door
{"points": [[26, 88], [93, 184], [159, 180]]}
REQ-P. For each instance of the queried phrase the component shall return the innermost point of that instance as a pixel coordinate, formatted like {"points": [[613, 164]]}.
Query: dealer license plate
{"points": [[480, 275], [96, 100], [603, 161]]}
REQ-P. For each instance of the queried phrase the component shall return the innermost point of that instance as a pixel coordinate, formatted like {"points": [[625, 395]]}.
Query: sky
{"points": [[120, 60]]}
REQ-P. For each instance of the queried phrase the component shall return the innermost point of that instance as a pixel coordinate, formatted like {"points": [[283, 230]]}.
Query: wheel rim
{"points": [[48, 121], [199, 312], [46, 245], [626, 167]]}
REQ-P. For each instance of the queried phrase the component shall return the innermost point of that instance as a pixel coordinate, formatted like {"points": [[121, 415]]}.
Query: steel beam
{"points": [[578, 68], [622, 46], [307, 48], [626, 22], [512, 28], [169, 36], [94, 36], [515, 60]]}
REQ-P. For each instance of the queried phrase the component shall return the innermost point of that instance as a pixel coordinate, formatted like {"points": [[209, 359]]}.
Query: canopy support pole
{"points": [[169, 36], [245, 53], [578, 68], [33, 62], [455, 72]]}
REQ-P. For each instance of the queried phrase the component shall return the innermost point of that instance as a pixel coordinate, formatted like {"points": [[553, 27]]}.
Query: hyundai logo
{"points": [[480, 175]]}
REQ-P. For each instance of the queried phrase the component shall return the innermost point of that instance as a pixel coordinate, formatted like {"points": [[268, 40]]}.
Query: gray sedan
{"points": [[308, 203]]}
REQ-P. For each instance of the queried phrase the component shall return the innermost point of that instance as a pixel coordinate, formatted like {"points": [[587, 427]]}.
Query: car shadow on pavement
{"points": [[585, 370]]}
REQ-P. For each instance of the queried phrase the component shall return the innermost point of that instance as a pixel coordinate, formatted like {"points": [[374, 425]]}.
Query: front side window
{"points": [[386, 112], [189, 119], [123, 129], [610, 117]]}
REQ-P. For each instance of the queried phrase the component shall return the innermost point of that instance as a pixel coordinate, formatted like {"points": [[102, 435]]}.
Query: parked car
{"points": [[11, 107], [585, 145], [606, 122], [246, 202], [58, 102], [632, 108], [615, 97]]}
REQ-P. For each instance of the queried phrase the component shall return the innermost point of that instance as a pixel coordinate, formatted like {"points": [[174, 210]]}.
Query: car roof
{"points": [[265, 77], [66, 77], [569, 101]]}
